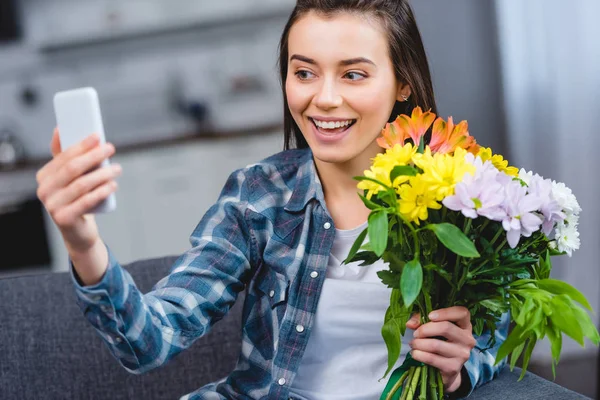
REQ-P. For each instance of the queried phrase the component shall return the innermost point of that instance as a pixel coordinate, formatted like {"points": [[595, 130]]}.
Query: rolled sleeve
{"points": [[143, 331], [480, 367]]}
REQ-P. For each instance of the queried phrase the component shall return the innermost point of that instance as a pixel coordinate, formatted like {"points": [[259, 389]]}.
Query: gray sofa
{"points": [[49, 351]]}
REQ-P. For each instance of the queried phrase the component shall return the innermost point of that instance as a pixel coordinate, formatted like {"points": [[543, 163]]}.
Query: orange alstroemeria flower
{"points": [[446, 137], [405, 127]]}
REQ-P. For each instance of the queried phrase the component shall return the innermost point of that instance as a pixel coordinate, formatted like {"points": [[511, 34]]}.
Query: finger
{"points": [[65, 156], [67, 215], [76, 168], [460, 315], [55, 143], [441, 348], [445, 329], [83, 185], [449, 367], [414, 322]]}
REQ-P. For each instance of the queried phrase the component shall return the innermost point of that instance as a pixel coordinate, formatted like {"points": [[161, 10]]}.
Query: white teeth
{"points": [[332, 125]]}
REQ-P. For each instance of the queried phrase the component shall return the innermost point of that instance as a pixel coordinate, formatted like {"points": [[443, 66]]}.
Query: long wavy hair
{"points": [[405, 46]]}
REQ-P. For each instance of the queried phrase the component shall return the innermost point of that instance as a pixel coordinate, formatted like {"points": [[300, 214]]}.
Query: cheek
{"points": [[298, 98], [374, 103]]}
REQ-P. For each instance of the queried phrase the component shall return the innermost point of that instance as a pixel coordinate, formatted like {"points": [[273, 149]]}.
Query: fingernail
{"points": [[416, 334], [433, 315]]}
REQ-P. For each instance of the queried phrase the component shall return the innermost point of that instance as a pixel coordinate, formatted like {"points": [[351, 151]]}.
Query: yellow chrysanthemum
{"points": [[423, 160], [443, 171], [416, 198], [485, 153], [397, 156], [382, 174]]}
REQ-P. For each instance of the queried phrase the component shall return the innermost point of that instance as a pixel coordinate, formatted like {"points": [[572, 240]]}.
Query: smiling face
{"points": [[341, 86]]}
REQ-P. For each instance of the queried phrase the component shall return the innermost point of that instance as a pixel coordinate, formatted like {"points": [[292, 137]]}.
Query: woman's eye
{"points": [[304, 75], [354, 76]]}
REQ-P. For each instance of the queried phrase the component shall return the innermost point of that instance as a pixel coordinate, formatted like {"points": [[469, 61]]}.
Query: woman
{"points": [[311, 327]]}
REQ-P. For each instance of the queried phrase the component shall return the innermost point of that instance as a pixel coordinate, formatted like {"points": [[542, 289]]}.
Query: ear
{"points": [[403, 90]]}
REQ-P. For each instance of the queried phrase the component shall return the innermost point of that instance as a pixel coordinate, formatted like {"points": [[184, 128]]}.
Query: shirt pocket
{"points": [[274, 286]]}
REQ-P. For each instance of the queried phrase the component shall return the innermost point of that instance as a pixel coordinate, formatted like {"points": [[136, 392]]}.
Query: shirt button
{"points": [[104, 309], [314, 274], [281, 381], [271, 293], [299, 328], [327, 225], [96, 298], [118, 339]]}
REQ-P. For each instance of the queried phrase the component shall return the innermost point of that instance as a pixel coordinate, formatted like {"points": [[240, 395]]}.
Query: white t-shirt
{"points": [[346, 355]]}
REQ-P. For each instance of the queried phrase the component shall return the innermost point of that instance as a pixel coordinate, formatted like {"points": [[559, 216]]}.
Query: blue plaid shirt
{"points": [[269, 231]]}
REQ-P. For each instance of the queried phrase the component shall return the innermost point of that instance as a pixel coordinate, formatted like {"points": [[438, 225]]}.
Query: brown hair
{"points": [[406, 51]]}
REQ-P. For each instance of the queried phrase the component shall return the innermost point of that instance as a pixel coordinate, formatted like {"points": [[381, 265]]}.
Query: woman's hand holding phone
{"points": [[71, 184]]}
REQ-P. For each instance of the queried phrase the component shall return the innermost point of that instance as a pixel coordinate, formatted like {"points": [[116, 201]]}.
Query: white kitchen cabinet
{"points": [[164, 192]]}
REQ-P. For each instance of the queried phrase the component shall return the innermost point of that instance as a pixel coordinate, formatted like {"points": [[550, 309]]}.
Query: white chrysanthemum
{"points": [[525, 176], [565, 198], [567, 237], [572, 220]]}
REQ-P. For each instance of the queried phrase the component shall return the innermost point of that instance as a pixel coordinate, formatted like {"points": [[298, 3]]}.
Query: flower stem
{"points": [[433, 383], [496, 236], [423, 392], [501, 246], [440, 384], [413, 384], [397, 386], [407, 383]]}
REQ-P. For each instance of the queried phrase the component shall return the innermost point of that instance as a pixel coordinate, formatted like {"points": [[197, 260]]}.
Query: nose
{"points": [[328, 97]]}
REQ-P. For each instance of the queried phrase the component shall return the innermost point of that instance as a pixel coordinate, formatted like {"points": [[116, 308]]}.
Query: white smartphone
{"points": [[78, 116]]}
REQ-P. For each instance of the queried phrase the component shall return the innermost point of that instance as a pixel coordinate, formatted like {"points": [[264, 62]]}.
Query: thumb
{"points": [[55, 143], [414, 322]]}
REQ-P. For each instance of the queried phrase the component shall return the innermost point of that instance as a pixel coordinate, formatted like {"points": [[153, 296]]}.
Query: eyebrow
{"points": [[350, 61]]}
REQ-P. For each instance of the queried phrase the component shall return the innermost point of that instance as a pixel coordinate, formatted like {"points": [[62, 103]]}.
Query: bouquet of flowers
{"points": [[457, 226]]}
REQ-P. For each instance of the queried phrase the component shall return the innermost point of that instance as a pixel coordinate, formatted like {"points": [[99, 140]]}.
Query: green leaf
{"points": [[395, 262], [555, 338], [378, 231], [517, 336], [564, 318], [392, 338], [516, 353], [586, 324], [367, 258], [402, 170], [527, 356], [478, 327], [388, 196], [394, 328], [559, 287], [369, 204], [365, 178], [357, 243], [411, 282], [454, 239], [497, 305], [389, 278], [527, 308]]}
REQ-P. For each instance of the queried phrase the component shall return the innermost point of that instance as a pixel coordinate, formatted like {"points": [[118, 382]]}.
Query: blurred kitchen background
{"points": [[189, 92]]}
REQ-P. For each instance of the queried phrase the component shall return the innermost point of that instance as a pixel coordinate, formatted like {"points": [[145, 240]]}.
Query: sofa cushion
{"points": [[49, 351]]}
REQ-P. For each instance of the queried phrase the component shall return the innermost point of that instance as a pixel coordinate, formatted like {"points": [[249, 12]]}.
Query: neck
{"points": [[339, 187]]}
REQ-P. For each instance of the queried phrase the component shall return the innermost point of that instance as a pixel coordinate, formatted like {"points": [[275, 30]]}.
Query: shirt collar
{"points": [[307, 186]]}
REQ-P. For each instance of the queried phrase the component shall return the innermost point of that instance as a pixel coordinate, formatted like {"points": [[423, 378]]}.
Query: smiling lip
{"points": [[330, 137], [331, 119]]}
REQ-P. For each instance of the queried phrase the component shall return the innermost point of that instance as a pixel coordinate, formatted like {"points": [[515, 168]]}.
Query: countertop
{"points": [[37, 163]]}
